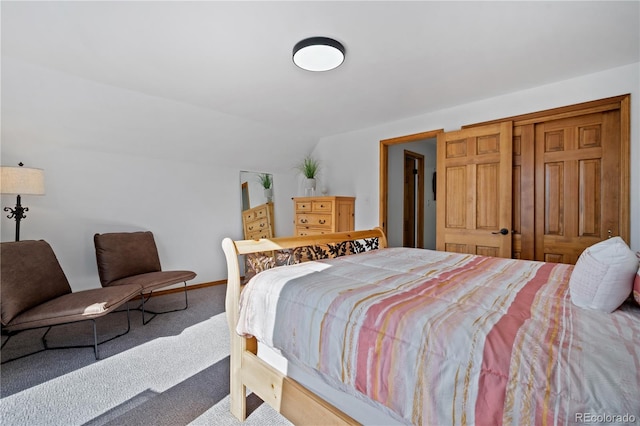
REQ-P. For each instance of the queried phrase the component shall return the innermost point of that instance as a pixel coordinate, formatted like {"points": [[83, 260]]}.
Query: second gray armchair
{"points": [[132, 258]]}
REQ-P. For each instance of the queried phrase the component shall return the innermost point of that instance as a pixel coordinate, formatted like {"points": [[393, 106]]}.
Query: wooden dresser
{"points": [[323, 215], [258, 222]]}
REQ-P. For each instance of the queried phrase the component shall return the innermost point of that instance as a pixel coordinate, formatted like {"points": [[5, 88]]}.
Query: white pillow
{"points": [[603, 276]]}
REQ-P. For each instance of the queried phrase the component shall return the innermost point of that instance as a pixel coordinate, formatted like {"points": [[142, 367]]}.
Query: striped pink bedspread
{"points": [[439, 338]]}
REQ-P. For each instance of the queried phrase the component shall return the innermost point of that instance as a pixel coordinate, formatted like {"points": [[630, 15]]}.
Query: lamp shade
{"points": [[318, 54], [21, 181]]}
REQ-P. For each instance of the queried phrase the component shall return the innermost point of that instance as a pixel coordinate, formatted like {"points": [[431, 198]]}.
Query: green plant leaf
{"points": [[309, 167], [265, 180]]}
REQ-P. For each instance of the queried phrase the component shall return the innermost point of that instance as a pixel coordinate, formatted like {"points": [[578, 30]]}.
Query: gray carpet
{"points": [[172, 371]]}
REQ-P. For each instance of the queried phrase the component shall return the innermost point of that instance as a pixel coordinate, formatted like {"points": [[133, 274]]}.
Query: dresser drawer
{"points": [[322, 206], [261, 233], [314, 220], [303, 206], [302, 231], [254, 214], [257, 225]]}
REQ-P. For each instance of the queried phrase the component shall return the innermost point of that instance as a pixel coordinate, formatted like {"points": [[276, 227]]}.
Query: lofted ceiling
{"points": [[403, 58]]}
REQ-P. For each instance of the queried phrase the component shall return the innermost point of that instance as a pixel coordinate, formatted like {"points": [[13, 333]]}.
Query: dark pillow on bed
{"points": [[604, 275], [258, 262]]}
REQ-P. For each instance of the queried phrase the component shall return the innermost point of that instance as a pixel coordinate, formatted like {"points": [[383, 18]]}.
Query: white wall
{"points": [[353, 158], [188, 199]]}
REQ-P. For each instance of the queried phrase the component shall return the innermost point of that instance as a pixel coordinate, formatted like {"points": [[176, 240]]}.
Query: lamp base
{"points": [[18, 214]]}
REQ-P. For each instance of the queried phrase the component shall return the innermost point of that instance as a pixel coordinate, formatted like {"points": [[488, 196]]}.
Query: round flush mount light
{"points": [[318, 54]]}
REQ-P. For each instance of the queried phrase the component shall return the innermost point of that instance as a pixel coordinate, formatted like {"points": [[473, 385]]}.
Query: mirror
{"points": [[256, 188], [257, 209], [257, 205]]}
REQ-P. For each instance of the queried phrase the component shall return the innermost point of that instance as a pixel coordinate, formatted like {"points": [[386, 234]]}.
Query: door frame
{"points": [[384, 168]]}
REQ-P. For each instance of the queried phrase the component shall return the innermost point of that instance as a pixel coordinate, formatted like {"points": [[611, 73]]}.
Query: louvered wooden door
{"points": [[577, 184], [474, 190]]}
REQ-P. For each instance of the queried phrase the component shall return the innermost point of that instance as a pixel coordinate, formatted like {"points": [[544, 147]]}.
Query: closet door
{"points": [[474, 190], [523, 192], [577, 184]]}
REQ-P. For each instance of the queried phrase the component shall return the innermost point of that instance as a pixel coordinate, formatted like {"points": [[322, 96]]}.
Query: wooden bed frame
{"points": [[285, 395]]}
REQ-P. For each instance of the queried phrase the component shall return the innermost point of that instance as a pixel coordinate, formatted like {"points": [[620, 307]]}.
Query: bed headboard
{"points": [[279, 243]]}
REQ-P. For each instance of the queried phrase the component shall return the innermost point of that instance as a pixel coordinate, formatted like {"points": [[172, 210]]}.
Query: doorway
{"points": [[392, 165]]}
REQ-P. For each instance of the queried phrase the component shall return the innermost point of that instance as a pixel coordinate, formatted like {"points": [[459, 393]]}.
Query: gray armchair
{"points": [[126, 258], [36, 294]]}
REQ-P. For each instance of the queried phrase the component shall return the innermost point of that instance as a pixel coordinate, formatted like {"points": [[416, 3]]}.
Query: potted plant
{"points": [[309, 169], [267, 183]]}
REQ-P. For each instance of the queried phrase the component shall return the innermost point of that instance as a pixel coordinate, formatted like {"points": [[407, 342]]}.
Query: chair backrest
{"points": [[29, 276], [125, 254]]}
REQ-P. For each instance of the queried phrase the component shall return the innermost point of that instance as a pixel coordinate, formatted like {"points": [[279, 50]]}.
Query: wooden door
{"points": [[523, 219], [413, 204], [474, 188], [409, 210], [345, 210], [577, 180]]}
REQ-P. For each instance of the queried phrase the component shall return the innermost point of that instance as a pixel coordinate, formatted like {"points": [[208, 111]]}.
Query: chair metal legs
{"points": [[47, 347], [154, 314], [9, 336]]}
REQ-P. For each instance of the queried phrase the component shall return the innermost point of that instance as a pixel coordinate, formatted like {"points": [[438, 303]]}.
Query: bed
{"points": [[362, 333]]}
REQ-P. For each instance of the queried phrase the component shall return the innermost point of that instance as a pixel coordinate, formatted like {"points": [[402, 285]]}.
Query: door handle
{"points": [[503, 231]]}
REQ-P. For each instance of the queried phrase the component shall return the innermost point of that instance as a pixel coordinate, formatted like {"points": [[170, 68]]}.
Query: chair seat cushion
{"points": [[78, 306], [154, 280]]}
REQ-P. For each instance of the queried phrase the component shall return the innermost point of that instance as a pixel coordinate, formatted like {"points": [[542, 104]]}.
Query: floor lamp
{"points": [[20, 181]]}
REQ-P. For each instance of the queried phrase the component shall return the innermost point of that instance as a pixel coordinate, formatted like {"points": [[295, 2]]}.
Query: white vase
{"points": [[268, 193], [309, 187], [310, 183]]}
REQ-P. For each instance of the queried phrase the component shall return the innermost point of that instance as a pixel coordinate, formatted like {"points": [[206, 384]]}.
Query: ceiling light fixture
{"points": [[318, 54]]}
